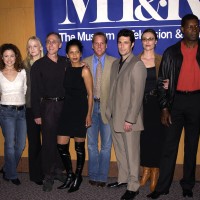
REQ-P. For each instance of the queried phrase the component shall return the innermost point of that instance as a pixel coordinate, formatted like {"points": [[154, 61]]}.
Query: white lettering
{"points": [[127, 11], [146, 5], [84, 36], [195, 7], [102, 12], [65, 37], [80, 10]]}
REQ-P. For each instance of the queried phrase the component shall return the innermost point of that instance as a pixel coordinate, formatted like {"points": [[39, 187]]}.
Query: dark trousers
{"points": [[51, 161], [185, 113], [34, 147]]}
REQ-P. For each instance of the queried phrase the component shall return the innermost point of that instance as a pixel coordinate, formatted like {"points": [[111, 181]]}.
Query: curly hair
{"points": [[18, 65], [74, 42]]}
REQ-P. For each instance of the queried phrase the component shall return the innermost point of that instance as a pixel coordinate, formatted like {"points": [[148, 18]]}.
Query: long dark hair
{"points": [[18, 65]]}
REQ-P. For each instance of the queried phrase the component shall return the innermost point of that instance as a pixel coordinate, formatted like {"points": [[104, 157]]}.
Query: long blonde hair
{"points": [[28, 56]]}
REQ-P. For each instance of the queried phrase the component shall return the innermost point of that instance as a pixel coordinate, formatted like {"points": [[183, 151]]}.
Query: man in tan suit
{"points": [[100, 65], [124, 112]]}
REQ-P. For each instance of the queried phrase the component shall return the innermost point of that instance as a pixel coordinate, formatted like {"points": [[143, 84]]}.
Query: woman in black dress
{"points": [[76, 115], [151, 139]]}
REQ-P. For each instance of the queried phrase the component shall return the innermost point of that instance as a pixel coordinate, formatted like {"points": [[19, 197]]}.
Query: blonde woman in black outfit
{"points": [[34, 51]]}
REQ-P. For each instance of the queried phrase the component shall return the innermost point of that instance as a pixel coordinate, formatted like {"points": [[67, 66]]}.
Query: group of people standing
{"points": [[54, 98]]}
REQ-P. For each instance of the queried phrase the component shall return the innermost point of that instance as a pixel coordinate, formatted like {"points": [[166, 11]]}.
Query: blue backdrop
{"points": [[81, 18]]}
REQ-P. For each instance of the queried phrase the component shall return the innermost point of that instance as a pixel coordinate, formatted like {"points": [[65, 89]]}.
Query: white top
{"points": [[13, 92]]}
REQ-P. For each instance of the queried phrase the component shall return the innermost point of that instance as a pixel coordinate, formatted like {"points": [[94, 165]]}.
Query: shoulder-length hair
{"points": [[18, 65], [28, 55]]}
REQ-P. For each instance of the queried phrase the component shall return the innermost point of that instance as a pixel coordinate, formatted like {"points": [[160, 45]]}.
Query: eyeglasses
{"points": [[192, 27], [147, 39], [51, 42]]}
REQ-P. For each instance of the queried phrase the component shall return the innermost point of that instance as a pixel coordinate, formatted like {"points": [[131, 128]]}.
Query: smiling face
{"points": [[9, 58], [74, 54], [148, 41], [53, 44], [99, 45]]}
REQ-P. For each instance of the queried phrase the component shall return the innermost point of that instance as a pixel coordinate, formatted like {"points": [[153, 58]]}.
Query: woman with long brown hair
{"points": [[12, 109]]}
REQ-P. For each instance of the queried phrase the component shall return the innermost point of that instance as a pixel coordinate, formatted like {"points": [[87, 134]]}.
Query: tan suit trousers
{"points": [[127, 150]]}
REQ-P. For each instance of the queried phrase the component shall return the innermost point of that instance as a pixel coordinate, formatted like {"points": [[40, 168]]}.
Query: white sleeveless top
{"points": [[13, 92]]}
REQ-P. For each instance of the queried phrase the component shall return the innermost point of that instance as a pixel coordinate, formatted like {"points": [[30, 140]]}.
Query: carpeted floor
{"points": [[30, 191]]}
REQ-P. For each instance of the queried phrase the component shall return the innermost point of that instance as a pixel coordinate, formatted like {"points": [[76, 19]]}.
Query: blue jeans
{"points": [[99, 160], [13, 123]]}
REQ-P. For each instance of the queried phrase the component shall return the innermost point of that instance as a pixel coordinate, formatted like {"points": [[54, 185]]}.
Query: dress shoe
{"points": [[129, 195], [16, 181], [187, 193], [48, 185], [38, 182], [4, 175], [60, 177], [156, 195], [116, 185], [101, 184], [93, 183]]}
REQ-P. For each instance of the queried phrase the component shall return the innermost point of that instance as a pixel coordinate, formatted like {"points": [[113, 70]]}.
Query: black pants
{"points": [[34, 147], [51, 161], [185, 114]]}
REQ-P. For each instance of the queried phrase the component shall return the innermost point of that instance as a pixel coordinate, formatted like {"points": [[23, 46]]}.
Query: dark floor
{"points": [[30, 191]]}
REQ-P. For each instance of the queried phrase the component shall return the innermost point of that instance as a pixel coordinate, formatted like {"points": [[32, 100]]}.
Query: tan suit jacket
{"points": [[126, 94], [105, 82]]}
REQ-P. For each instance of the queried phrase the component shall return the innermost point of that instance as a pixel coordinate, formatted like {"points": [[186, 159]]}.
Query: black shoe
{"points": [[93, 183], [101, 184], [187, 193], [47, 185], [1, 170], [116, 185], [156, 195], [60, 177], [38, 182], [4, 175], [68, 181], [76, 184], [129, 195], [16, 181]]}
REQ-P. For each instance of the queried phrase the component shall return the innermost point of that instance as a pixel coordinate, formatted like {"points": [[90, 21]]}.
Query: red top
{"points": [[189, 77]]}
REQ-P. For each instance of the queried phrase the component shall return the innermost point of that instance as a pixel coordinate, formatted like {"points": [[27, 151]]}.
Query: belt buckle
{"points": [[56, 99]]}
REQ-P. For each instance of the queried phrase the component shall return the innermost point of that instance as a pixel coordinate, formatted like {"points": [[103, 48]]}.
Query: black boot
{"points": [[66, 158], [80, 151]]}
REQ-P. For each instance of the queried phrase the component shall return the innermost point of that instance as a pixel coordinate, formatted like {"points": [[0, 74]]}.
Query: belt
{"points": [[188, 92], [96, 99], [14, 107], [53, 98]]}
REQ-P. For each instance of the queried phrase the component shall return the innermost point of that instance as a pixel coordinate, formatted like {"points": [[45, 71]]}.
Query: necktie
{"points": [[97, 88]]}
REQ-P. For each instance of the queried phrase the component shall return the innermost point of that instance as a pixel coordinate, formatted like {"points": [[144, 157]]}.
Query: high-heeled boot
{"points": [[80, 152], [66, 158], [154, 178], [145, 176]]}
